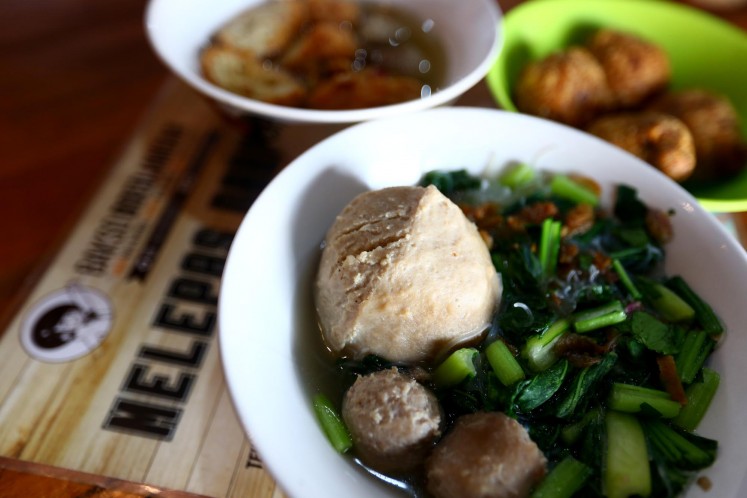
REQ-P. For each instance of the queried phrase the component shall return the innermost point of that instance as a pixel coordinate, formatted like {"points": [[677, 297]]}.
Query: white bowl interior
{"points": [[266, 321], [178, 29]]}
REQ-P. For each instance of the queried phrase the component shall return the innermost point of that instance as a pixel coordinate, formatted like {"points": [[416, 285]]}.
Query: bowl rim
{"points": [[232, 103]]}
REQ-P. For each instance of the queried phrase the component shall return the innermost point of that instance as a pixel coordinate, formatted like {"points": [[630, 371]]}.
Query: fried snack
{"points": [[367, 88], [323, 49], [635, 68], [243, 73], [659, 139], [336, 11], [264, 30], [568, 86], [714, 124]]}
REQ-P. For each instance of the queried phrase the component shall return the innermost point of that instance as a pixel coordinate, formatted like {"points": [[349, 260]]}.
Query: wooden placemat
{"points": [[111, 368]]}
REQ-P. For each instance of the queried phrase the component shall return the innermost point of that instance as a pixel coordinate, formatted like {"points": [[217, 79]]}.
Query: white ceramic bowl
{"points": [[266, 320], [178, 29]]}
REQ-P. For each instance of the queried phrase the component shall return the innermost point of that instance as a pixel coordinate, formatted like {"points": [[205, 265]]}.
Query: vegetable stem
{"points": [[517, 175], [696, 346], [332, 425], [704, 314], [538, 350], [625, 279], [626, 469], [699, 397], [563, 186], [602, 316], [457, 367], [549, 246], [564, 480], [671, 306], [505, 366], [630, 399]]}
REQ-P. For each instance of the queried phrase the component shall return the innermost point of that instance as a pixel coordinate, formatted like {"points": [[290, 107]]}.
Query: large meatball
{"points": [[394, 421], [404, 275], [659, 139], [485, 455], [568, 86], [714, 124], [635, 68]]}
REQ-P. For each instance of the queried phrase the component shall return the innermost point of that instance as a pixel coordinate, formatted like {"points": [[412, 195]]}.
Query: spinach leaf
{"points": [[654, 334], [541, 387], [583, 386]]}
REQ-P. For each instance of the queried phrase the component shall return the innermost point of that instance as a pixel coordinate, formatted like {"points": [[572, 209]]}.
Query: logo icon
{"points": [[67, 324]]}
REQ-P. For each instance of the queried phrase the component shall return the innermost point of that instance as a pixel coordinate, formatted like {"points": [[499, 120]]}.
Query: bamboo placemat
{"points": [[111, 366]]}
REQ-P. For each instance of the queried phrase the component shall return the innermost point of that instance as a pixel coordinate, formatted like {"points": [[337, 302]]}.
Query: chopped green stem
{"points": [[671, 306], [679, 449], [538, 350], [332, 424], [602, 316], [517, 175], [564, 480], [625, 279], [696, 346], [704, 314], [505, 366], [699, 397], [630, 399], [456, 368], [549, 246], [626, 469], [563, 186]]}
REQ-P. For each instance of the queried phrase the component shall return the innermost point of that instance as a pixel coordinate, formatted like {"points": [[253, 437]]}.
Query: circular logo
{"points": [[67, 324]]}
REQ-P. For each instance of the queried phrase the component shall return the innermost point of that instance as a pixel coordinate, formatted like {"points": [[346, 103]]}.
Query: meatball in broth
{"points": [[404, 275], [394, 421], [485, 454]]}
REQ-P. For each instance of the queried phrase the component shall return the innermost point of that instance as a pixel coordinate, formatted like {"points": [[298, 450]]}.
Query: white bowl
{"points": [[470, 31], [266, 320]]}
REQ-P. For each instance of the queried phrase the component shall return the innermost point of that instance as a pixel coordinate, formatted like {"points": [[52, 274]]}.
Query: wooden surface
{"points": [[77, 76]]}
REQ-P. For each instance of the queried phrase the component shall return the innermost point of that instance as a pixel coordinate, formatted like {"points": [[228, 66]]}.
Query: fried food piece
{"points": [[714, 124], [243, 73], [568, 86], [323, 49], [367, 88], [659, 139], [335, 11], [264, 30], [635, 68]]}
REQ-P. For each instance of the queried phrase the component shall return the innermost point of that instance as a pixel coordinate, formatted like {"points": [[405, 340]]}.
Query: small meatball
{"points": [[367, 88], [659, 139], [404, 275], [636, 69], [568, 86], [485, 455], [715, 128], [394, 421]]}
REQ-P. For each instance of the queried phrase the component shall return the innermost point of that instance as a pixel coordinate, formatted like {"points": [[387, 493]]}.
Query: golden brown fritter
{"points": [[635, 68], [567, 86], [659, 139], [714, 124]]}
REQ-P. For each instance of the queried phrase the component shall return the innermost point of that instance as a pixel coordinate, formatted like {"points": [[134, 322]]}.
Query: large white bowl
{"points": [[266, 320], [469, 30]]}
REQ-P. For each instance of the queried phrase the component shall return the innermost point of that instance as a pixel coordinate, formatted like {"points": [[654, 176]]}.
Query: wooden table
{"points": [[77, 75]]}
